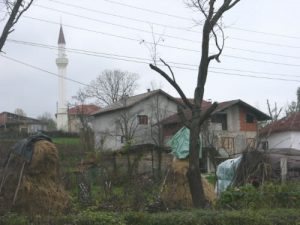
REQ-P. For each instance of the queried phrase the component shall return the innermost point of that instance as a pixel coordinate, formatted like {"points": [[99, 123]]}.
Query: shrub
{"points": [[267, 196], [196, 217]]}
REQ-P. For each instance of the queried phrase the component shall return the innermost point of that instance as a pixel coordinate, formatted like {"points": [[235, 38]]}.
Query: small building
{"points": [[282, 134], [13, 122], [133, 119], [79, 116], [232, 127]]}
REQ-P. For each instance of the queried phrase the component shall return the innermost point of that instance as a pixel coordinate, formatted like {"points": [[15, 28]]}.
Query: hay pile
{"points": [[175, 191], [40, 190]]}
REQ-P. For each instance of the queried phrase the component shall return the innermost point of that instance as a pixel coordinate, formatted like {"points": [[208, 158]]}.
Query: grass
{"points": [[66, 140]]}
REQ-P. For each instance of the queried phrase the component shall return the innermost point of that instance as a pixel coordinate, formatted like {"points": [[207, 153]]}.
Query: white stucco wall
{"points": [[105, 127], [233, 119], [288, 139]]}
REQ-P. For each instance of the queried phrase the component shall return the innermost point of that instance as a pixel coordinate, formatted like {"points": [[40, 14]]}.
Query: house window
{"points": [[228, 144], [250, 142], [220, 118], [250, 118], [265, 145], [143, 119], [122, 139]]}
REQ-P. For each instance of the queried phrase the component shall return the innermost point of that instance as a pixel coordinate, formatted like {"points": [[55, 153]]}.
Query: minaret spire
{"points": [[62, 62], [61, 36]]}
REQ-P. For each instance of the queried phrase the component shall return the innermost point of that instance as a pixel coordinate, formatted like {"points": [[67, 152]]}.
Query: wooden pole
{"points": [[19, 183], [4, 173]]}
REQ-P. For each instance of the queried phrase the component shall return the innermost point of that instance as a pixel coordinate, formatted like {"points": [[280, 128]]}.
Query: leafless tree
{"points": [[152, 47], [111, 86], [274, 112], [15, 9], [48, 120], [127, 125], [212, 10], [86, 133], [158, 113], [20, 112]]}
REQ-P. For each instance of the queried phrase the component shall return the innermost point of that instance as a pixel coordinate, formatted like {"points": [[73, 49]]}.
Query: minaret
{"points": [[62, 62]]}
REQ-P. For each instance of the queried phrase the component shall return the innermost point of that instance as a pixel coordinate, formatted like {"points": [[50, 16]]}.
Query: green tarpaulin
{"points": [[180, 144]]}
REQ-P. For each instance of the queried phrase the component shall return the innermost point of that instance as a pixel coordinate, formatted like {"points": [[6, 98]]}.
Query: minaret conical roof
{"points": [[61, 37]]}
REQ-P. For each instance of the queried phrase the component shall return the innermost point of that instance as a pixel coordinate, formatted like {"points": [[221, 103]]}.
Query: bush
{"points": [[245, 217], [197, 217], [267, 196]]}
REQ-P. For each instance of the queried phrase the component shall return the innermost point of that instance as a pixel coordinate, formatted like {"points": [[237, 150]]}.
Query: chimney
{"points": [[148, 90]]}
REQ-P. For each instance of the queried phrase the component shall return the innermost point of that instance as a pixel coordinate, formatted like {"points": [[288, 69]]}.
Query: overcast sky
{"points": [[262, 41]]}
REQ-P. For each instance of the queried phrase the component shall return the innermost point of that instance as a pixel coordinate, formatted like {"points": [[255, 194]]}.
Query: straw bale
{"points": [[176, 192], [40, 191]]}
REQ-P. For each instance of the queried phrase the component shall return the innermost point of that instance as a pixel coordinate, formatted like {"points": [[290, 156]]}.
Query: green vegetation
{"points": [[116, 199], [270, 195], [197, 217], [66, 140]]}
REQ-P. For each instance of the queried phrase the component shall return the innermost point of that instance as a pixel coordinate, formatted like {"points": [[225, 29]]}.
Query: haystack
{"points": [[175, 191], [40, 190]]}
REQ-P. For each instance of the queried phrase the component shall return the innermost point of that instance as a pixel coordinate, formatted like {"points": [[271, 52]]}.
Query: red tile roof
{"points": [[221, 106], [290, 123], [83, 109]]}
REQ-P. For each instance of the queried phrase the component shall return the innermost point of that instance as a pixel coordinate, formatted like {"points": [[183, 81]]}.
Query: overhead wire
{"points": [[231, 37], [136, 61], [186, 18], [166, 35], [95, 53], [163, 45], [42, 70]]}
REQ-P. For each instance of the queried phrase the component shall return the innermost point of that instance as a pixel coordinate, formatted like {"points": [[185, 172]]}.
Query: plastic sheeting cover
{"points": [[226, 172], [180, 144]]}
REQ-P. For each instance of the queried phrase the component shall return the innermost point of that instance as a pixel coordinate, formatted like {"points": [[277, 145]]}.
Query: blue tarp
{"points": [[226, 172], [180, 144]]}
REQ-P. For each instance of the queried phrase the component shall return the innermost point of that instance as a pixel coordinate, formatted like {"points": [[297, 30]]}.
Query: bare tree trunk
{"points": [[18, 9], [193, 174], [212, 16]]}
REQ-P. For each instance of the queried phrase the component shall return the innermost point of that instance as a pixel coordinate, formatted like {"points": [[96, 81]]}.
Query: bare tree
{"points": [[15, 9], [20, 112], [111, 86], [127, 125], [85, 132], [212, 18], [158, 113], [48, 120], [274, 112]]}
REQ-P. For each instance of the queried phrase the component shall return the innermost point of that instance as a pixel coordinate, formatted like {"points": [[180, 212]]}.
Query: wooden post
{"points": [[283, 169], [4, 172], [19, 183]]}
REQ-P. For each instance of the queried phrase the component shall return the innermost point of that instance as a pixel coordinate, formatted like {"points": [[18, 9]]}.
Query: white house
{"points": [[284, 133], [135, 118]]}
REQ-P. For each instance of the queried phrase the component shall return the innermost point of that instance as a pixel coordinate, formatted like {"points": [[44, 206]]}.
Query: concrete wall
{"points": [[108, 134], [289, 139], [233, 122]]}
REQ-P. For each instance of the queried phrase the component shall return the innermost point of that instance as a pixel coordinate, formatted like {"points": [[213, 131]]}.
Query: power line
{"points": [[230, 37], [42, 70], [142, 62], [186, 18], [145, 60], [124, 17], [174, 37], [149, 10], [164, 45]]}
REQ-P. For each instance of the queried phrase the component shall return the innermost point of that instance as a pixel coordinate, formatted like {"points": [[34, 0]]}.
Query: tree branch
{"points": [[207, 113], [169, 69], [173, 83]]}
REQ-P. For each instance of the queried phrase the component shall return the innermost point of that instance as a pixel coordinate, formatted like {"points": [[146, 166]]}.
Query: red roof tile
{"points": [[290, 123], [83, 109]]}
